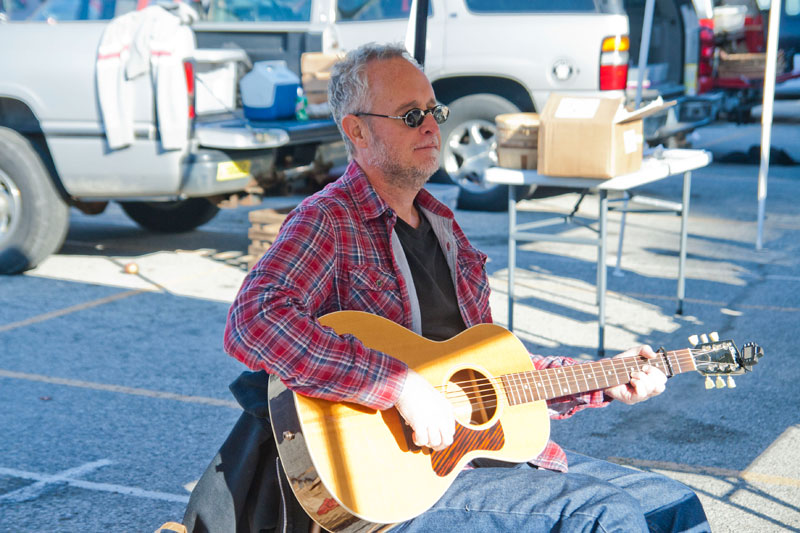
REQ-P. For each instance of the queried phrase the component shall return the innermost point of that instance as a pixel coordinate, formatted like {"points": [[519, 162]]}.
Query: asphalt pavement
{"points": [[114, 385]]}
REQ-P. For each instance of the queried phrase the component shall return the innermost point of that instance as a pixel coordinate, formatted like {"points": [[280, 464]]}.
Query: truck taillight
{"points": [[614, 63], [188, 70], [705, 61]]}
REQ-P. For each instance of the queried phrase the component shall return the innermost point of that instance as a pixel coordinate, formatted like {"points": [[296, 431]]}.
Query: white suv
{"points": [[487, 57]]}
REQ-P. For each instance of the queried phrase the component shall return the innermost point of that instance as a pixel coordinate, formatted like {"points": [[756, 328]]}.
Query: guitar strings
{"points": [[676, 359], [477, 389], [555, 374]]}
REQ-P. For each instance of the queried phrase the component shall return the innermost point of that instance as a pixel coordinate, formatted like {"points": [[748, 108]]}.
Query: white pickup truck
{"points": [[55, 152]]}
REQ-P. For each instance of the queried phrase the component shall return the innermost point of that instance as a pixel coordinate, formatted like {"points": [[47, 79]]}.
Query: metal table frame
{"points": [[654, 167]]}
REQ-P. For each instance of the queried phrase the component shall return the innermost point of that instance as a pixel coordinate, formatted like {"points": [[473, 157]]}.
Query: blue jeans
{"points": [[594, 496]]}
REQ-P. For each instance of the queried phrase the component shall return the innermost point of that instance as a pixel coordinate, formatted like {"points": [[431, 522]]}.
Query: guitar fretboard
{"points": [[536, 385]]}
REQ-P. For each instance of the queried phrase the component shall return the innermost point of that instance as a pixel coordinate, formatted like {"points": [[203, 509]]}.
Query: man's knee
{"points": [[613, 509]]}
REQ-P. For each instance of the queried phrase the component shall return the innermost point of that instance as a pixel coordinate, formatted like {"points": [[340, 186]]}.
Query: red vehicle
{"points": [[736, 40]]}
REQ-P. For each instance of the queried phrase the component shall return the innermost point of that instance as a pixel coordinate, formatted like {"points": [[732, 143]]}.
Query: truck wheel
{"points": [[171, 217], [33, 216], [469, 148]]}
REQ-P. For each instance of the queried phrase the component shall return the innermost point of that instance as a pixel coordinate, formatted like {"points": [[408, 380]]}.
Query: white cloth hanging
{"points": [[154, 40]]}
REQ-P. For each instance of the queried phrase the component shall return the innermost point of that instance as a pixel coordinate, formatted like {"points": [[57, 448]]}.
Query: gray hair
{"points": [[348, 90]]}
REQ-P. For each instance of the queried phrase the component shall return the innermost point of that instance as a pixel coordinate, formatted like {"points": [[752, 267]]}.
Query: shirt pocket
{"points": [[374, 290], [472, 264]]}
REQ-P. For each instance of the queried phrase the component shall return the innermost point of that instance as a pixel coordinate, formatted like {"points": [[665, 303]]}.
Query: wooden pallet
{"points": [[749, 65], [265, 224]]}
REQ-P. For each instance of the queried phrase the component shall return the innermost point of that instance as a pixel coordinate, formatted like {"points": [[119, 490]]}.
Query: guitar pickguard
{"points": [[466, 440]]}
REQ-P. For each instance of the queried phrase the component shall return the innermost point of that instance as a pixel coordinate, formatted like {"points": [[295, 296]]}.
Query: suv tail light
{"points": [[705, 63], [188, 70], [614, 63]]}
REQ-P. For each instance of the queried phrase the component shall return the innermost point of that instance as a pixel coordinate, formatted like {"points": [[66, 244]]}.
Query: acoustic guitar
{"points": [[345, 462]]}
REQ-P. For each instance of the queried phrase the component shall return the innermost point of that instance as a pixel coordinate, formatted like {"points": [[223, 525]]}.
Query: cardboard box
{"points": [[517, 140], [591, 137], [315, 69]]}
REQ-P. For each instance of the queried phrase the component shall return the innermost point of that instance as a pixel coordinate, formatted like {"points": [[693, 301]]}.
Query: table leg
{"points": [[687, 187], [602, 275], [512, 253], [618, 268]]}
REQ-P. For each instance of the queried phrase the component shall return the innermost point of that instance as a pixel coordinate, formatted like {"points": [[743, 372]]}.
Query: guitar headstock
{"points": [[714, 357]]}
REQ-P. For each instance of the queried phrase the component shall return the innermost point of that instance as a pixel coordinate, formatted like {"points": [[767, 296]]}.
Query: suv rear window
{"points": [[544, 6], [355, 10], [258, 11]]}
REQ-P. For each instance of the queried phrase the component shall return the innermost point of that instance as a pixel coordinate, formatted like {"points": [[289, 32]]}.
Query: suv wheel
{"points": [[171, 217], [469, 148], [33, 216]]}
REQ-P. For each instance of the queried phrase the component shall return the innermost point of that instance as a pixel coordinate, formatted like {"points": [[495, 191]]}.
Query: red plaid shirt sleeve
{"points": [[272, 323]]}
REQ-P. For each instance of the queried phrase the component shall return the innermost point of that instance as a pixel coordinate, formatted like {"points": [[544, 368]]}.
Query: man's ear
{"points": [[356, 130]]}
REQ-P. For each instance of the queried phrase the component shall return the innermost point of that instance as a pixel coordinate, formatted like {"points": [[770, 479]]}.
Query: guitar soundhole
{"points": [[473, 397]]}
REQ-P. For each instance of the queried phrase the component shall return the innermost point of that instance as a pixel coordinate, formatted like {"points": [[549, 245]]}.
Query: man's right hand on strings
{"points": [[427, 411]]}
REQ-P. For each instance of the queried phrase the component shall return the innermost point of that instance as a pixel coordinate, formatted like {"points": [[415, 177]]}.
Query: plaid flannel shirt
{"points": [[334, 253]]}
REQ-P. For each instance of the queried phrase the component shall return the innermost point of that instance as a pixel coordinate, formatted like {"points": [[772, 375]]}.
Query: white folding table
{"points": [[657, 166]]}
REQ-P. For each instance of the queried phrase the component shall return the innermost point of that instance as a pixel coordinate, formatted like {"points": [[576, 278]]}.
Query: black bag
{"points": [[244, 489]]}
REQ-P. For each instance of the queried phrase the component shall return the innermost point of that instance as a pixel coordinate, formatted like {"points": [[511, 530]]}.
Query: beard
{"points": [[398, 173]]}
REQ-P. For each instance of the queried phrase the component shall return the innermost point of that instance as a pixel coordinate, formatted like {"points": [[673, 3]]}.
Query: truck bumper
{"points": [[234, 153], [208, 172]]}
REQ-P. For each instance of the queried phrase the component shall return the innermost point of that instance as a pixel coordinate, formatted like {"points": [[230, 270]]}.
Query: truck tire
{"points": [[469, 148], [33, 217], [171, 217]]}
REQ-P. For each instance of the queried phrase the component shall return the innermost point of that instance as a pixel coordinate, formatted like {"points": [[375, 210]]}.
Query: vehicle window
{"points": [[18, 9], [74, 10], [70, 10], [353, 10], [259, 10], [792, 7], [530, 6]]}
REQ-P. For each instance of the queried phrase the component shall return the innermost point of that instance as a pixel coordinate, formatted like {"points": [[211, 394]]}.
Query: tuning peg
{"points": [[694, 340], [709, 383], [731, 383], [704, 338], [714, 336], [720, 383]]}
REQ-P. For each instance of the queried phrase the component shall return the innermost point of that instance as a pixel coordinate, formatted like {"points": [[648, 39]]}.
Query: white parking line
{"points": [[32, 492], [68, 477], [119, 388], [61, 312], [753, 477]]}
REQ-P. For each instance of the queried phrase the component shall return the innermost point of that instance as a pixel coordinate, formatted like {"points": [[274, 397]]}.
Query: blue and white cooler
{"points": [[269, 91]]}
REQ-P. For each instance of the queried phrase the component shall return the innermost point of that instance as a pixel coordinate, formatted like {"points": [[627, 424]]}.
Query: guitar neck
{"points": [[536, 385]]}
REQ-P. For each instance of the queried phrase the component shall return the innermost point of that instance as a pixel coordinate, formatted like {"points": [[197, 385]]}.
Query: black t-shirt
{"points": [[441, 318]]}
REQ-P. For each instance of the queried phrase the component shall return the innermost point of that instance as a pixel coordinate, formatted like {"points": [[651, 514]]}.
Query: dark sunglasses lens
{"points": [[414, 118], [440, 113]]}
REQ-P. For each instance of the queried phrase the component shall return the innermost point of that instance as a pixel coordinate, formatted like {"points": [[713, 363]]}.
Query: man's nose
{"points": [[429, 124]]}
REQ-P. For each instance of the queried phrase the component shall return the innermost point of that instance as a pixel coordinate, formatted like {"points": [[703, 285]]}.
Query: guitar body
{"points": [[356, 469]]}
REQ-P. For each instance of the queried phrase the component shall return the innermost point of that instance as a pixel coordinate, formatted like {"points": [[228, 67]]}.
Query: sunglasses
{"points": [[415, 117]]}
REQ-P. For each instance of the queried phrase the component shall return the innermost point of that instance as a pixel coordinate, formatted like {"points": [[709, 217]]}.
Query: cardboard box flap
{"points": [[657, 105], [564, 107]]}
